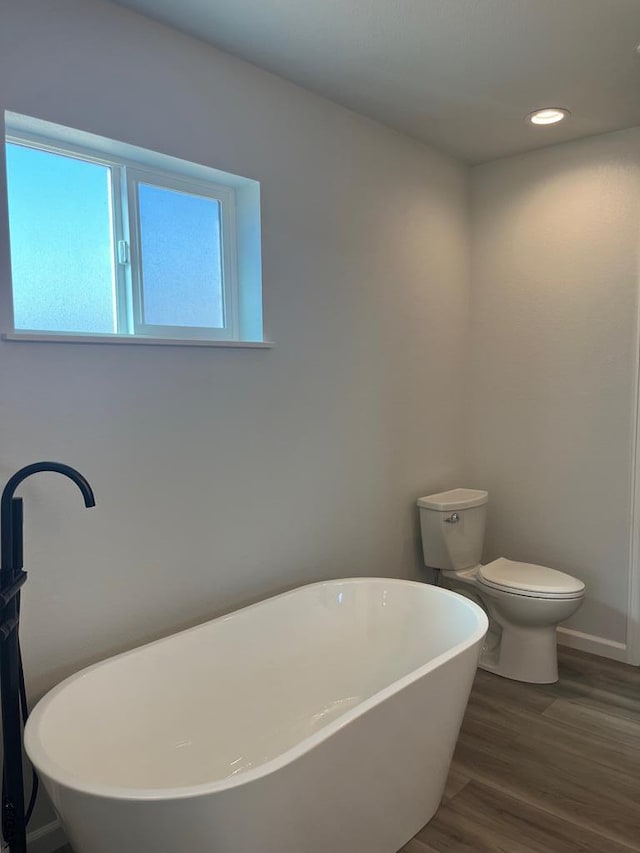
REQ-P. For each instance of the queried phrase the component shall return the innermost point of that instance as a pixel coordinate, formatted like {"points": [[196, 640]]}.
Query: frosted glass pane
{"points": [[61, 242], [181, 258]]}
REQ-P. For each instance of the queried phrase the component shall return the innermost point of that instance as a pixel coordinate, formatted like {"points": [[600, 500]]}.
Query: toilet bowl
{"points": [[524, 602]]}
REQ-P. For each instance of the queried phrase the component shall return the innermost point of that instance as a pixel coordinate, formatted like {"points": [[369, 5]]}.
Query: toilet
{"points": [[524, 602]]}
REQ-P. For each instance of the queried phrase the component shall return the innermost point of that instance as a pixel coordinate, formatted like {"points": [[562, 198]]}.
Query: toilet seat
{"points": [[530, 580]]}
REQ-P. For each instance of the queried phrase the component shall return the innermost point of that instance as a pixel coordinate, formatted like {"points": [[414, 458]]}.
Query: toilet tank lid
{"points": [[454, 499]]}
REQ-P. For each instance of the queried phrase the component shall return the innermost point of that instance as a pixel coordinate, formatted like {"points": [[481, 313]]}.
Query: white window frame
{"points": [[127, 172], [226, 199]]}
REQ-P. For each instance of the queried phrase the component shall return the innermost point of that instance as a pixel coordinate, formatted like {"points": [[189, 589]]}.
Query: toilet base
{"points": [[521, 642], [523, 654]]}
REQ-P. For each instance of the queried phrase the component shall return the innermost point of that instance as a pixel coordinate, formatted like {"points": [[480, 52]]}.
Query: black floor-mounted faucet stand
{"points": [[12, 690]]}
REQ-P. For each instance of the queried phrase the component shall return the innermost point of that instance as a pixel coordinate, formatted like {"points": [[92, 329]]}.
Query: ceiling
{"points": [[458, 74]]}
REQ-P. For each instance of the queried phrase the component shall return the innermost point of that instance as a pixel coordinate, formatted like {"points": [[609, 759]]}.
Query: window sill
{"points": [[42, 337]]}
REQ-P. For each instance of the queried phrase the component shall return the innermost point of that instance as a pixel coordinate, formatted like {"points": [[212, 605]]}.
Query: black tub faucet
{"points": [[12, 689], [13, 483]]}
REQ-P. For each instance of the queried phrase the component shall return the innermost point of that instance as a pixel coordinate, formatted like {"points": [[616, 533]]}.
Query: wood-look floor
{"points": [[543, 768]]}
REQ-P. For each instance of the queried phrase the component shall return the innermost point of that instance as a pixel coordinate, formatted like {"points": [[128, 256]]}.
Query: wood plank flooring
{"points": [[544, 769]]}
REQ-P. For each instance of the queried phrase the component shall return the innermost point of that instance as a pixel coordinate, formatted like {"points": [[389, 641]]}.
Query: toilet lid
{"points": [[529, 579]]}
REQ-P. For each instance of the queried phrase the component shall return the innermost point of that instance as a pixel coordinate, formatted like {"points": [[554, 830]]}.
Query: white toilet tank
{"points": [[452, 526]]}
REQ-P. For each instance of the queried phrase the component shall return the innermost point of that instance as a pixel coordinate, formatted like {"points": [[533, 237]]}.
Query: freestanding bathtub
{"points": [[319, 721]]}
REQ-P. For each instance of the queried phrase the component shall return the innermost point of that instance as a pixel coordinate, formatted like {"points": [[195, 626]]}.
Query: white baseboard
{"points": [[47, 839], [590, 643]]}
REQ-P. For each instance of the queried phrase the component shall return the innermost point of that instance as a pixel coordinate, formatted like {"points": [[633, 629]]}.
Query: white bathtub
{"points": [[319, 721]]}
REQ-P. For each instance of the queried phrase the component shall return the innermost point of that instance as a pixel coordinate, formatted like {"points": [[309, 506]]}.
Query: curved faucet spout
{"points": [[11, 521], [59, 468]]}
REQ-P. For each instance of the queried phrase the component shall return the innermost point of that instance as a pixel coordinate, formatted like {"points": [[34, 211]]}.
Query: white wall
{"points": [[222, 476], [556, 243]]}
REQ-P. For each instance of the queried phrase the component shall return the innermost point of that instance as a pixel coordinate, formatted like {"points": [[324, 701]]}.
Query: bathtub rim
{"points": [[60, 776]]}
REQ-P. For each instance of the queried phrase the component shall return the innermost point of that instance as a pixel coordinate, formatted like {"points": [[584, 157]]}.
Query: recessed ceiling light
{"points": [[549, 115]]}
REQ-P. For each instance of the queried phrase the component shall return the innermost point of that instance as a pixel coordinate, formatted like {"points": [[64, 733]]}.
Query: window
{"points": [[111, 240]]}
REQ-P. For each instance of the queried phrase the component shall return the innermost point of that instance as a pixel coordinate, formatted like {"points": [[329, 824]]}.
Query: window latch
{"points": [[124, 256]]}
